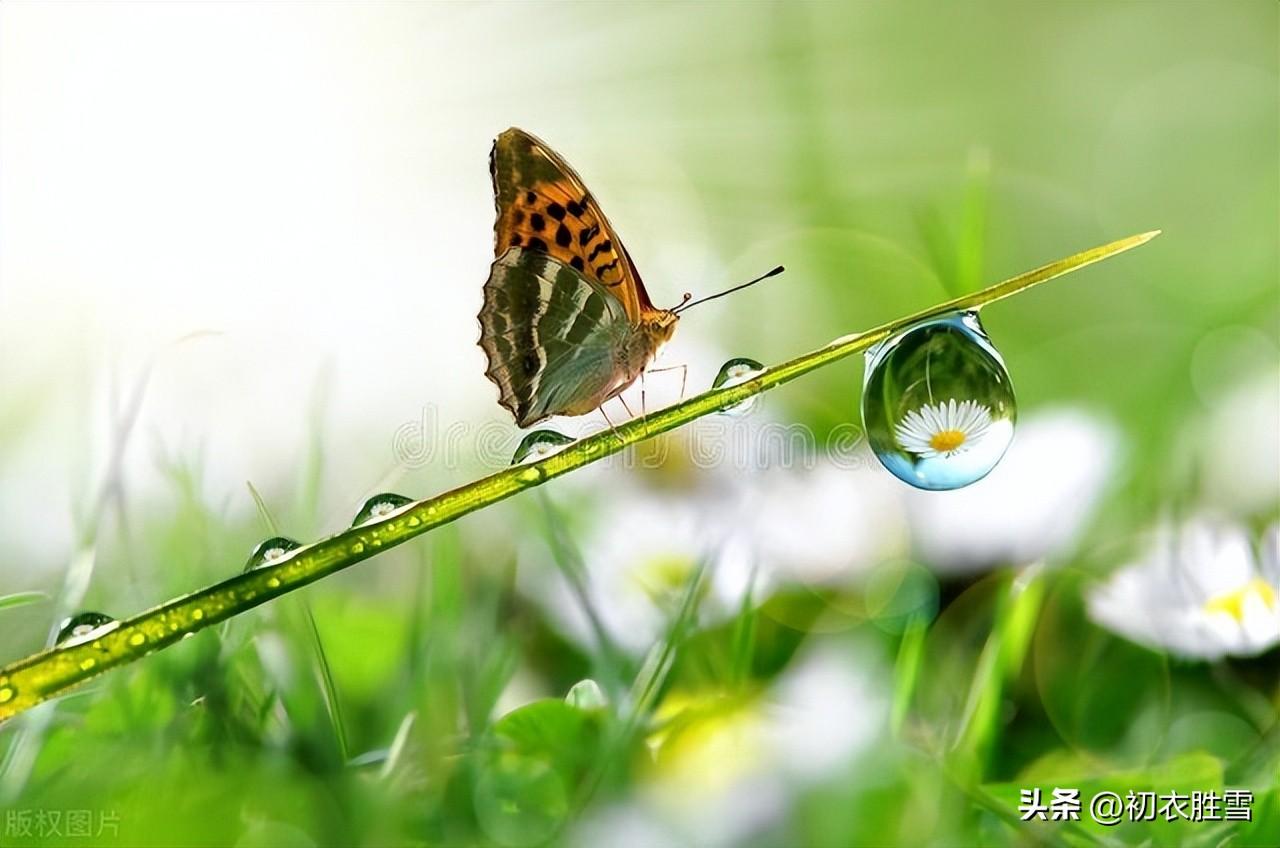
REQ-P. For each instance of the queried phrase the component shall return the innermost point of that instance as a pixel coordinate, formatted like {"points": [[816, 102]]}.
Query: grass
{"points": [[336, 718]]}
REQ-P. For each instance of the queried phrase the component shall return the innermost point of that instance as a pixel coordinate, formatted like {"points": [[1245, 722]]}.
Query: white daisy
{"points": [[945, 429], [1033, 505], [1199, 592]]}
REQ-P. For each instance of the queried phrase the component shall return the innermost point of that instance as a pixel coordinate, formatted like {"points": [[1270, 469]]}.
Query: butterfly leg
{"points": [[684, 375], [607, 420], [626, 406]]}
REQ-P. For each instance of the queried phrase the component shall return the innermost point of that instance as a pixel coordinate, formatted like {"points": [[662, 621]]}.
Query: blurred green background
{"points": [[246, 243]]}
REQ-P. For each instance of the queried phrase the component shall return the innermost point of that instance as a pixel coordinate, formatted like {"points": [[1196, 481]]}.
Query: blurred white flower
{"points": [[638, 556], [725, 766], [1241, 449], [759, 502], [741, 496], [1031, 506], [1198, 592]]}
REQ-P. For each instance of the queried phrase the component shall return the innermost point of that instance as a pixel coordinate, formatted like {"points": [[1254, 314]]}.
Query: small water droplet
{"points": [[137, 639], [272, 550], [83, 627], [7, 693], [273, 583], [736, 372], [357, 548], [197, 614], [87, 663], [540, 444], [938, 404], [586, 695], [379, 506]]}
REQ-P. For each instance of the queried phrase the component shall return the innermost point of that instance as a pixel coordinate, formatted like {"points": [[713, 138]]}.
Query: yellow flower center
{"points": [[945, 441], [706, 742], [663, 577], [1232, 603]]}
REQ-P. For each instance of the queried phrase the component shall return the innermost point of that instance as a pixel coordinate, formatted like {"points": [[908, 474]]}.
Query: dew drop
{"points": [[938, 404], [540, 444], [197, 614], [586, 695], [6, 694], [82, 627], [272, 550], [733, 373], [379, 506], [273, 583], [137, 639], [87, 663]]}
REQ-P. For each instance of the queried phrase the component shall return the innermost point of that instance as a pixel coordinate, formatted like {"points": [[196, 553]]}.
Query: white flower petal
{"points": [[1033, 503], [1197, 592]]}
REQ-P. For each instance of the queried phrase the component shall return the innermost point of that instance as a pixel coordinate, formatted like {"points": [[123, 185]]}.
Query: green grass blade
{"points": [[971, 244], [21, 599], [1000, 661], [569, 560], [29, 681], [323, 671], [907, 671]]}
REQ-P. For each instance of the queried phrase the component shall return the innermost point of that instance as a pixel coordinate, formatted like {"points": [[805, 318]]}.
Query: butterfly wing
{"points": [[544, 206], [552, 336]]}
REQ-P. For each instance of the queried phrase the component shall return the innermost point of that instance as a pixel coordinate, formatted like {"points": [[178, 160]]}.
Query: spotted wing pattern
{"points": [[544, 207]]}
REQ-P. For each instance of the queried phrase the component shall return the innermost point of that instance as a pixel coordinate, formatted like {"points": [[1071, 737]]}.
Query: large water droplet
{"points": [[82, 626], [269, 551], [540, 444], [937, 403], [378, 506], [733, 373]]}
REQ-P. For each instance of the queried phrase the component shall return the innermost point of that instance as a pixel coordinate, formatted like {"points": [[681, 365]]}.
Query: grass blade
{"points": [[29, 681], [21, 599]]}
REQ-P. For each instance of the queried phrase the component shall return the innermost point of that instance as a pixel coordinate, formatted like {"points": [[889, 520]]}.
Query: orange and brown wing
{"points": [[544, 206]]}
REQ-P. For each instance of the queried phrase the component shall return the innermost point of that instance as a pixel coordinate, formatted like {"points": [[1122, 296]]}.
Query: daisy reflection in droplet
{"points": [[945, 429]]}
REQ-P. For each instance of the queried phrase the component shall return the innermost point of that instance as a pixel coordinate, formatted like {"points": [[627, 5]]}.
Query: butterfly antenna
{"points": [[687, 302]]}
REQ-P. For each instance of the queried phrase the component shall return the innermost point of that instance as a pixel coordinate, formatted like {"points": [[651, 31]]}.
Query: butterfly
{"points": [[566, 322]]}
